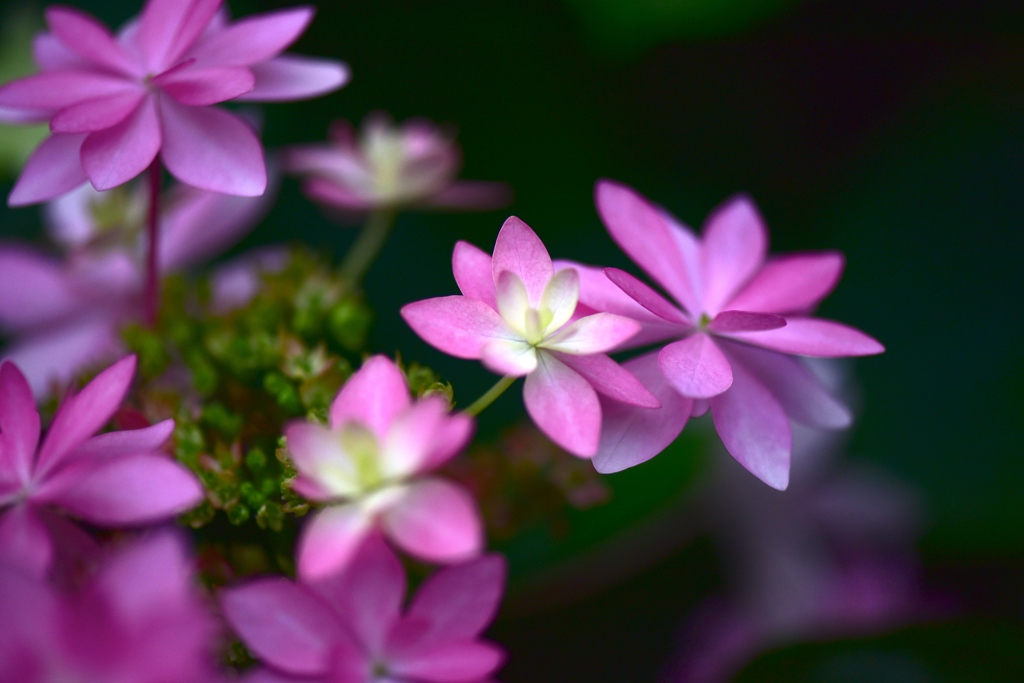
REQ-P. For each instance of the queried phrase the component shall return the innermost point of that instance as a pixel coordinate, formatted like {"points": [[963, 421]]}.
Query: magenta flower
{"points": [[139, 619], [115, 102], [367, 467], [350, 627], [735, 326], [389, 166], [116, 479]]}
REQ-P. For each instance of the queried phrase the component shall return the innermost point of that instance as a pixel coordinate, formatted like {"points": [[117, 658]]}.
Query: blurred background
{"points": [[890, 130]]}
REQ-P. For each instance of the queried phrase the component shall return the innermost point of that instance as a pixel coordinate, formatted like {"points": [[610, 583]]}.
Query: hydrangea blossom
{"points": [[734, 327], [112, 480], [368, 465], [137, 620], [350, 627], [115, 102], [390, 166], [518, 316]]}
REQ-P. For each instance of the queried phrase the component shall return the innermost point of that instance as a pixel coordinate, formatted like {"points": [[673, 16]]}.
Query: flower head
{"points": [[367, 466], [114, 102], [518, 316]]}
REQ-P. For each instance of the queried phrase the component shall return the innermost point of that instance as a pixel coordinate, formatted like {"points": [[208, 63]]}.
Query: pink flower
{"points": [[367, 466], [111, 480], [350, 627], [115, 102], [390, 166], [735, 325], [137, 620], [517, 317]]}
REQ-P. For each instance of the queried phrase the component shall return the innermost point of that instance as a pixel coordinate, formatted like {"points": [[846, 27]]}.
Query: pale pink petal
{"points": [[646, 297], [424, 436], [211, 149], [457, 325], [643, 233], [373, 396], [126, 442], [727, 322], [509, 357], [514, 303], [319, 455], [450, 438], [329, 539], [96, 114], [24, 541], [168, 28], [89, 39], [560, 297], [814, 337], [696, 367], [200, 86], [735, 241], [130, 490], [472, 269], [113, 156], [596, 333], [253, 39], [610, 379], [54, 168], [452, 662], [563, 405], [754, 428], [791, 284], [630, 434], [55, 90], [294, 77], [518, 250], [331, 193], [459, 602], [36, 288], [19, 424], [283, 624], [436, 521], [477, 195]]}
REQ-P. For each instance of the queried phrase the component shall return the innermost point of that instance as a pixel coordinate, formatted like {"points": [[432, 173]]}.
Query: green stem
{"points": [[488, 398], [368, 245]]}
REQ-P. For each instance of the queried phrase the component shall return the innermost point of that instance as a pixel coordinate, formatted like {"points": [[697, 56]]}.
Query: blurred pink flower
{"points": [[116, 479], [390, 166], [518, 316], [64, 315], [115, 102], [139, 619], [350, 627], [735, 326], [367, 466]]}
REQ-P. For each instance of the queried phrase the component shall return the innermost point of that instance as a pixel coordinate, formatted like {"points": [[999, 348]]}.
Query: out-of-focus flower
{"points": [[737, 322], [112, 480], [138, 620], [350, 627], [367, 466], [390, 167], [115, 102], [63, 315], [517, 317]]}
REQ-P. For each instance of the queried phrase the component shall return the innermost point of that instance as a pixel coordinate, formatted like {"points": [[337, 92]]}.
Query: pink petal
{"points": [[645, 296], [52, 55], [283, 624], [454, 662], [643, 233], [329, 539], [735, 242], [36, 288], [24, 541], [329, 192], [814, 337], [630, 434], [696, 367], [459, 602], [19, 423], [254, 39], [457, 325], [745, 321], [293, 77], [89, 39], [96, 114], [518, 250], [113, 156], [610, 379], [55, 90], [211, 149], [754, 428], [473, 195], [436, 521], [600, 294], [199, 86], [791, 284], [596, 333], [424, 436], [373, 396], [127, 442], [472, 269], [563, 405], [53, 169], [168, 28], [147, 579], [509, 357]]}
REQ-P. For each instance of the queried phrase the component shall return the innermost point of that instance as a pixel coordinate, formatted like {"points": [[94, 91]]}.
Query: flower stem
{"points": [[152, 294], [368, 245], [490, 395]]}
